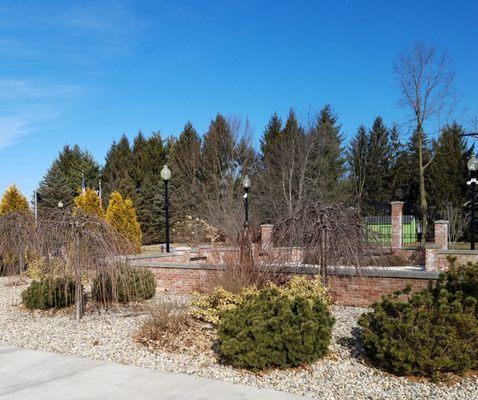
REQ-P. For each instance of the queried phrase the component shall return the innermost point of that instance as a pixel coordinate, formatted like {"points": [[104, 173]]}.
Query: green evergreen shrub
{"points": [[123, 284], [462, 279], [49, 293], [434, 332], [270, 329]]}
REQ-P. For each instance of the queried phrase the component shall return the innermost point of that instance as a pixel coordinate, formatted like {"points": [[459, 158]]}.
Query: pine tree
{"points": [[325, 169], [122, 217], [90, 203], [13, 201], [282, 181], [271, 133], [54, 189], [357, 160], [448, 170], [218, 150], [398, 165], [185, 163], [116, 173], [64, 178], [378, 186], [149, 206], [149, 156]]}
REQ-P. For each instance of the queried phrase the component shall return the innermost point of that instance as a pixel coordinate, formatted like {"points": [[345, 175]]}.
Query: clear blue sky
{"points": [[87, 72]]}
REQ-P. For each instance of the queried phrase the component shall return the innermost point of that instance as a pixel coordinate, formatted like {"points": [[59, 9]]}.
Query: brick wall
{"points": [[364, 290], [345, 286]]}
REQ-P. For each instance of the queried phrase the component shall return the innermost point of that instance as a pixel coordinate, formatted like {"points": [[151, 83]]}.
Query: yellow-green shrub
{"points": [[308, 288], [122, 217], [210, 307], [89, 202], [13, 201]]}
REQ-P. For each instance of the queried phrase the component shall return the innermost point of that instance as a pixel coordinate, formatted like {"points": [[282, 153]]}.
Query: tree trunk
{"points": [[78, 287], [423, 193]]}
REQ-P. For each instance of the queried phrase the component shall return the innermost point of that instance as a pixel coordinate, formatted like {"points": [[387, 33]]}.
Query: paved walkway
{"points": [[36, 375]]}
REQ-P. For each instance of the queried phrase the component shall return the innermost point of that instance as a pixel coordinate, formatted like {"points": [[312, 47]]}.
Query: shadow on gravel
{"points": [[354, 343]]}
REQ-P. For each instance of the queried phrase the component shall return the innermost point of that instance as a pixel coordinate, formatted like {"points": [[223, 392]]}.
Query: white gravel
{"points": [[109, 336]]}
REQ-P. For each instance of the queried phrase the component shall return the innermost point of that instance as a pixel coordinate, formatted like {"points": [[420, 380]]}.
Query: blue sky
{"points": [[87, 72]]}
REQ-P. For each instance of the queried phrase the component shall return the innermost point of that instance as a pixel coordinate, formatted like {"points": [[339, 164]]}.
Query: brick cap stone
{"points": [[267, 225], [442, 221], [397, 202]]}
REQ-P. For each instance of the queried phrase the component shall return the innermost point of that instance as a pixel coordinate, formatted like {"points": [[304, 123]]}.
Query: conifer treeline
{"points": [[297, 163]]}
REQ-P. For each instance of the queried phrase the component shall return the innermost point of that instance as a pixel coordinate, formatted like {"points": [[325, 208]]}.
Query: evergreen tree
{"points": [[65, 176], [271, 133], [149, 156], [448, 170], [138, 167], [116, 173], [13, 201], [357, 160], [122, 217], [89, 202], [218, 151], [53, 190], [185, 162], [150, 211], [409, 176], [377, 185], [325, 169], [398, 165], [282, 181]]}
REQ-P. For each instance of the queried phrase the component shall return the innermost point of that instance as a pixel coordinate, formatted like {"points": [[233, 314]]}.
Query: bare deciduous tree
{"points": [[427, 85], [458, 222]]}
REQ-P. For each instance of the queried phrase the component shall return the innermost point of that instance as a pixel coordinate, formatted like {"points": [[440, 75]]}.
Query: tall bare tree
{"points": [[427, 85]]}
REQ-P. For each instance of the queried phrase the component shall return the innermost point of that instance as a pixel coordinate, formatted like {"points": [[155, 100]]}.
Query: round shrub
{"points": [[433, 333], [123, 285], [269, 329], [49, 293]]}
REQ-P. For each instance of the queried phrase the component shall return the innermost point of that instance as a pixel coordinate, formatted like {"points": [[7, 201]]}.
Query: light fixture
{"points": [[165, 173], [246, 182]]}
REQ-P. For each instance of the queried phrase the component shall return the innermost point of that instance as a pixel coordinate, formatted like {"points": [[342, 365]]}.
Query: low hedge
{"points": [[123, 285], [270, 329], [433, 333], [49, 293]]}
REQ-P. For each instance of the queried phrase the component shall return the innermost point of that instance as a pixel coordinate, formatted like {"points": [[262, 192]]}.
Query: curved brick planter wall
{"points": [[346, 286]]}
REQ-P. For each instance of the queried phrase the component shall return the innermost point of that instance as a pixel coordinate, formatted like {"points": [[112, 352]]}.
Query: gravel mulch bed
{"points": [[109, 336]]}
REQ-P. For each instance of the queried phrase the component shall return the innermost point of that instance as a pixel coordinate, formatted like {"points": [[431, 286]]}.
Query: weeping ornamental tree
{"points": [[326, 236], [85, 243]]}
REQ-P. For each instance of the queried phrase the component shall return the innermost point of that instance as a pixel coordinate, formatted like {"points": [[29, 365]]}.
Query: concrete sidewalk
{"points": [[36, 375]]}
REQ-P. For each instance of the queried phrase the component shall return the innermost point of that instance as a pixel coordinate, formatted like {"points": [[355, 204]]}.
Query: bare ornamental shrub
{"points": [[194, 231], [170, 327]]}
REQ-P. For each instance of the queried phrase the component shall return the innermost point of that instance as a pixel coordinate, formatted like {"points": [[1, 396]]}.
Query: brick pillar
{"points": [[397, 213], [441, 234], [266, 237]]}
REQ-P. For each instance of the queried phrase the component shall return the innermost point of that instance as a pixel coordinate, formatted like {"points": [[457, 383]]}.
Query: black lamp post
{"points": [[166, 176], [246, 184], [472, 168]]}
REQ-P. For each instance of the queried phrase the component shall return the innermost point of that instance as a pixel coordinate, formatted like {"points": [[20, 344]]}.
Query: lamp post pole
{"points": [[246, 183], [166, 176], [472, 233], [472, 168]]}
